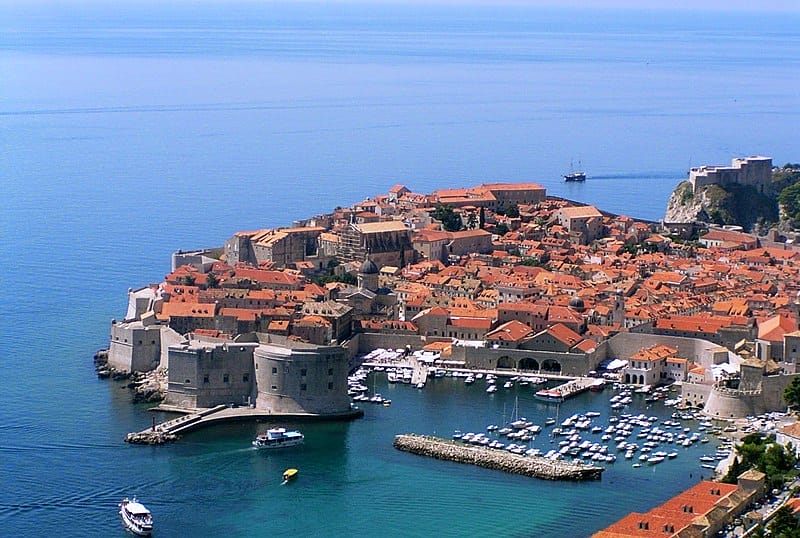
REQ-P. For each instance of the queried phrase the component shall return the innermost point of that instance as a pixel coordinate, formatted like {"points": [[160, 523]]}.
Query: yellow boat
{"points": [[289, 474]]}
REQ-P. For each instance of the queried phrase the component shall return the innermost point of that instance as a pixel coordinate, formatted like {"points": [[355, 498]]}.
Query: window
{"points": [[245, 378], [153, 342], [188, 382], [330, 386], [330, 371], [274, 371], [225, 378], [303, 386], [304, 372], [205, 378], [274, 387]]}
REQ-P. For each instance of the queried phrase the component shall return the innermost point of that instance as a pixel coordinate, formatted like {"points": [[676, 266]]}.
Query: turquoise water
{"points": [[131, 132]]}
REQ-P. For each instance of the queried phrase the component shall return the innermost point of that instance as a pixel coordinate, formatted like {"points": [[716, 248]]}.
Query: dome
{"points": [[577, 304], [368, 268]]}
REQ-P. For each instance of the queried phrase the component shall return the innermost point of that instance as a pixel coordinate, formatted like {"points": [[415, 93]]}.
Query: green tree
{"points": [[501, 229], [784, 524], [792, 392], [532, 262], [188, 280], [472, 221], [482, 218], [789, 198], [450, 220], [212, 281], [512, 211]]}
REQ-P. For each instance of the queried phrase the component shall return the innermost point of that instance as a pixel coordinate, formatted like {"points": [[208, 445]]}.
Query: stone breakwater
{"points": [[536, 467], [150, 438]]}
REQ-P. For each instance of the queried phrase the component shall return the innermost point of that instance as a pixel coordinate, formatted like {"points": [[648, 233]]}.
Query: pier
{"points": [[567, 390], [536, 467], [170, 430]]}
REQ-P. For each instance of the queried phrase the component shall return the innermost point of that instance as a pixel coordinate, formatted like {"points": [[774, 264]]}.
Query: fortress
{"points": [[753, 171]]}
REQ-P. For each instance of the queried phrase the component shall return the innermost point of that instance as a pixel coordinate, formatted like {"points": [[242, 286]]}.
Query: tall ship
{"points": [[575, 176]]}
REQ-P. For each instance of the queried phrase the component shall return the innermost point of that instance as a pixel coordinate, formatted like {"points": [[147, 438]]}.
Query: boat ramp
{"points": [[533, 466]]}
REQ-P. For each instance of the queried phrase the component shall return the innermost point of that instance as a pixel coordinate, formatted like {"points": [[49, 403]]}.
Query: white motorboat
{"points": [[136, 517], [278, 438]]}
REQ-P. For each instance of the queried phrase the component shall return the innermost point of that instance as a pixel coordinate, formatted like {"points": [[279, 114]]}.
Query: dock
{"points": [[566, 390], [171, 430], [533, 466]]}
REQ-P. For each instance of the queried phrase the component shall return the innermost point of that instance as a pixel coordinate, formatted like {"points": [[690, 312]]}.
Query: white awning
{"points": [[616, 364]]}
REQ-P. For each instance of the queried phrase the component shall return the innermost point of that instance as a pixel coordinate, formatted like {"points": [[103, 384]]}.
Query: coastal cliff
{"points": [[741, 205], [750, 206]]}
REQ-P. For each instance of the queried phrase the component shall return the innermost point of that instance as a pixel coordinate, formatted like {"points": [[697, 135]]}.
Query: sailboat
{"points": [[516, 422], [573, 175]]}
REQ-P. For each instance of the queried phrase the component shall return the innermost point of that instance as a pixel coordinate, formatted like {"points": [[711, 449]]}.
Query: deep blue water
{"points": [[131, 131]]}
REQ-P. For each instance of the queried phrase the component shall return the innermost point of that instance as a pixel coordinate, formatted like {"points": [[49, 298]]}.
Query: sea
{"points": [[132, 129]]}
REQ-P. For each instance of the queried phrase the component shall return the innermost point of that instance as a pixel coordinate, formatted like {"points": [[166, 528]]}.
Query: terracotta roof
{"points": [[577, 212], [511, 331], [564, 334]]}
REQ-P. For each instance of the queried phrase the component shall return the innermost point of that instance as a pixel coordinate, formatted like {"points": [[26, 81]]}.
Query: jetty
{"points": [[533, 466], [566, 390], [171, 430]]}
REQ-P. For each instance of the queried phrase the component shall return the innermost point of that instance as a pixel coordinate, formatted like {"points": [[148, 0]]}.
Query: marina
{"points": [[613, 433]]}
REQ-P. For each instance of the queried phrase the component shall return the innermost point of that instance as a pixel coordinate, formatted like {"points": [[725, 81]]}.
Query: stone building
{"points": [[387, 243], [301, 378], [206, 374], [584, 223], [752, 171], [281, 378], [283, 246]]}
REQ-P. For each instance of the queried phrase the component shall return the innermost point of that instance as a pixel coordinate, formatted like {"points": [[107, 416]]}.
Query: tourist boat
{"points": [[290, 474], [707, 458], [136, 517], [653, 460], [491, 388], [278, 438]]}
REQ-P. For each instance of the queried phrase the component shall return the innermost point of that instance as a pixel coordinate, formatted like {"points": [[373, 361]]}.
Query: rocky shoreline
{"points": [[537, 467], [147, 387]]}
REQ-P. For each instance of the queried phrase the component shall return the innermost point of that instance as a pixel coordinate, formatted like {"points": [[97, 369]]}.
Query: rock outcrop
{"points": [[148, 387], [741, 205]]}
